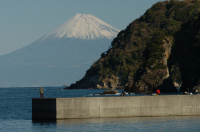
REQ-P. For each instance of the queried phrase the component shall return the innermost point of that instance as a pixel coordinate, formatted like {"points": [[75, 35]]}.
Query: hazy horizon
{"points": [[24, 21]]}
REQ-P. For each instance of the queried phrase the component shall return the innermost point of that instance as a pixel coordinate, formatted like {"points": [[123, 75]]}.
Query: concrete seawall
{"points": [[127, 106]]}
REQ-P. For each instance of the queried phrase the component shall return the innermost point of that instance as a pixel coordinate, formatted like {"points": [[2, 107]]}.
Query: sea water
{"points": [[16, 114]]}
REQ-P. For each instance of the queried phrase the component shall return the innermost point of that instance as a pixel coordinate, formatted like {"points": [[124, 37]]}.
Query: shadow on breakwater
{"points": [[117, 121]]}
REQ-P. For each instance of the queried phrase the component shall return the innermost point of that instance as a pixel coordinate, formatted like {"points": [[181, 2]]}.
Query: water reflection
{"points": [[171, 123], [44, 122]]}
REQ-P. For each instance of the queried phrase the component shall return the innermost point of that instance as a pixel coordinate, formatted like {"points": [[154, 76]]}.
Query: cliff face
{"points": [[156, 50], [188, 53]]}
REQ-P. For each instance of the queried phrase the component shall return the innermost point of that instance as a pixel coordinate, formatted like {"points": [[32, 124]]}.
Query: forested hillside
{"points": [[157, 49]]}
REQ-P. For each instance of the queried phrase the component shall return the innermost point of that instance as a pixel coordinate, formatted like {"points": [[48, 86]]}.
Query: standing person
{"points": [[157, 91], [41, 90]]}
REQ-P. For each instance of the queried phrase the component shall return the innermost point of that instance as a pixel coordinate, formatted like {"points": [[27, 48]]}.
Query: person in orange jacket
{"points": [[157, 91]]}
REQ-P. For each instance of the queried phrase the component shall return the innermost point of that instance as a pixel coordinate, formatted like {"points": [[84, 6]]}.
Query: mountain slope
{"points": [[156, 50], [57, 58]]}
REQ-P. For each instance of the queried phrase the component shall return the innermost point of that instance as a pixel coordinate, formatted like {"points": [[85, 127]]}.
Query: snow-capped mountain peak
{"points": [[84, 26]]}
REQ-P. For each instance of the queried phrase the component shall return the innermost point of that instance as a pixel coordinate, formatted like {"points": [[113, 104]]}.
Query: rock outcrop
{"points": [[110, 91]]}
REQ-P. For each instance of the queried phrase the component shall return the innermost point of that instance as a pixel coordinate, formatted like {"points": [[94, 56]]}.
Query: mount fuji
{"points": [[84, 26], [60, 57]]}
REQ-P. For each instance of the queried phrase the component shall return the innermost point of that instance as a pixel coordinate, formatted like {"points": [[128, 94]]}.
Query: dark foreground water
{"points": [[16, 112]]}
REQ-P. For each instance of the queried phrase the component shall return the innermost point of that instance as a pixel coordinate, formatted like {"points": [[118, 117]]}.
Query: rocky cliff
{"points": [[156, 50]]}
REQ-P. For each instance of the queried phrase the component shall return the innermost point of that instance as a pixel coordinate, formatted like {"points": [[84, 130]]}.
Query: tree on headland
{"points": [[151, 49]]}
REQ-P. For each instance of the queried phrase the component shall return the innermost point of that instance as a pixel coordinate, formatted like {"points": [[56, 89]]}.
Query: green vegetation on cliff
{"points": [[147, 51]]}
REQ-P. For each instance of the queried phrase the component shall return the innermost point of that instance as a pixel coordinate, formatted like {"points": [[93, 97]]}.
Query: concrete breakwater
{"points": [[128, 106]]}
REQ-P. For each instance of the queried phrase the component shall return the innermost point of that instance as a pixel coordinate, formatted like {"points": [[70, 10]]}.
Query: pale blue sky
{"points": [[24, 21]]}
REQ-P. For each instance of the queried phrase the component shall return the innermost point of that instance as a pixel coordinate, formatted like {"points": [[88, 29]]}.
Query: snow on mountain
{"points": [[84, 26]]}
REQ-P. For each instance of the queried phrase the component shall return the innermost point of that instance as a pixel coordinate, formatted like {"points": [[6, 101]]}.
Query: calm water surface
{"points": [[16, 112]]}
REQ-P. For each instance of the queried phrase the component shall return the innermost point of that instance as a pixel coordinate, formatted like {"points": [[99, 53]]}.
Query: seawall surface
{"points": [[126, 106]]}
